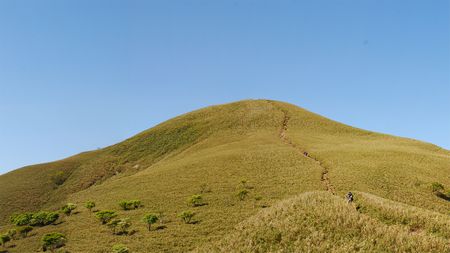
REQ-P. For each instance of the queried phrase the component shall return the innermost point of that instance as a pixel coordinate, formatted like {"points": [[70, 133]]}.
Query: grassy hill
{"points": [[274, 151]]}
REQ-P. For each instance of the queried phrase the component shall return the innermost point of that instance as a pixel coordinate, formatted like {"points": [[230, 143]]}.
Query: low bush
{"points": [[21, 219], [242, 194], [12, 233], [68, 208], [4, 238], [195, 200], [120, 248], [186, 216], [105, 216], [52, 241], [44, 218], [23, 231], [120, 226], [437, 187], [130, 204], [89, 205]]}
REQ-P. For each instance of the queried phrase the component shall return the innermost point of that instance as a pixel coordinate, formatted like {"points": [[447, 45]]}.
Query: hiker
{"points": [[349, 197]]}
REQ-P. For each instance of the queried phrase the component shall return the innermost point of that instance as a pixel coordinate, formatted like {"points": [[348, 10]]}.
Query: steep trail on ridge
{"points": [[283, 136]]}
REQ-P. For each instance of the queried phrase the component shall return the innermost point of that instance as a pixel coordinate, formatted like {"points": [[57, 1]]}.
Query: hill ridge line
{"points": [[283, 136]]}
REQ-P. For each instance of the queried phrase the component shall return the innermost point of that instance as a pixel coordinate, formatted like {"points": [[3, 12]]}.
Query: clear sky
{"points": [[78, 75]]}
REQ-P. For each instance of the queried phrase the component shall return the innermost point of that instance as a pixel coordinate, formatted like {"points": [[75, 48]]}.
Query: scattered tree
{"points": [[89, 205], [242, 194], [23, 231], [195, 200], [105, 216], [120, 248], [186, 216], [44, 218], [52, 241], [21, 219], [41, 218], [4, 239], [150, 219], [130, 204], [68, 208], [120, 226]]}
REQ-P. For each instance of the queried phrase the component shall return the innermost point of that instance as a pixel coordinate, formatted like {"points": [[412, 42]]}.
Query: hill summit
{"points": [[256, 175]]}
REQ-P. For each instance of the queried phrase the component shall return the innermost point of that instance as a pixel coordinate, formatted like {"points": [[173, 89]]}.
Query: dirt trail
{"points": [[324, 178]]}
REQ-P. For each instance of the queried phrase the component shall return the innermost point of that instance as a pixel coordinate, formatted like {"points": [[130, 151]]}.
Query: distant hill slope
{"points": [[280, 149]]}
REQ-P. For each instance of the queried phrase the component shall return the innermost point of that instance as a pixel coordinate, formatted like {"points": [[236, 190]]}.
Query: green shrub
{"points": [[120, 226], [242, 194], [21, 219], [68, 208], [195, 200], [105, 216], [120, 248], [437, 187], [89, 205], [23, 231], [12, 233], [186, 216], [52, 241], [130, 204], [43, 218], [150, 219], [4, 239]]}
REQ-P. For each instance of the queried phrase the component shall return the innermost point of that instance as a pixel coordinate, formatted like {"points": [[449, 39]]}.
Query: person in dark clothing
{"points": [[349, 197]]}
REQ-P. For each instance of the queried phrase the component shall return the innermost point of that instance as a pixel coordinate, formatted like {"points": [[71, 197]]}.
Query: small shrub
{"points": [[186, 216], [21, 219], [12, 233], [23, 231], [68, 208], [105, 216], [44, 218], [120, 248], [195, 200], [242, 194], [437, 187], [4, 239], [52, 241], [150, 219], [120, 226], [89, 205], [130, 204]]}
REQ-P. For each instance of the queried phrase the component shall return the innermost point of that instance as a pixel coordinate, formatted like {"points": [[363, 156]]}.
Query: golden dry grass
{"points": [[321, 222]]}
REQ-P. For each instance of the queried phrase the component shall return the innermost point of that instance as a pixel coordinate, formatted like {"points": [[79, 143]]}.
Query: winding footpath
{"points": [[324, 178]]}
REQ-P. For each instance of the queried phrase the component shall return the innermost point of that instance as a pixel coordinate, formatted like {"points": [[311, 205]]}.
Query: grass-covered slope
{"points": [[321, 222], [263, 142]]}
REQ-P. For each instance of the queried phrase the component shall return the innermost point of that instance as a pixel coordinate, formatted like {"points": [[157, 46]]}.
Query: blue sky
{"points": [[78, 75]]}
